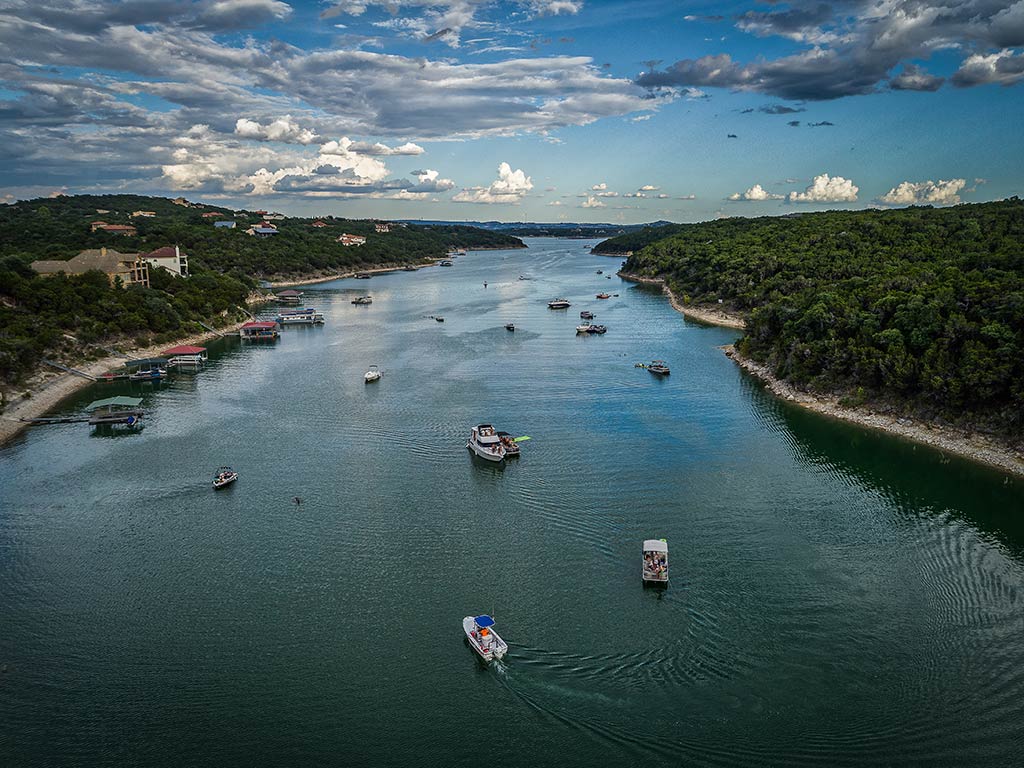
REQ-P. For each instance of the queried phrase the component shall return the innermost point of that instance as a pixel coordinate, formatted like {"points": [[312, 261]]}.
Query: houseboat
{"points": [[559, 304], [115, 411], [482, 637], [290, 296], [261, 330], [655, 561], [148, 369], [307, 316], [485, 443], [185, 357]]}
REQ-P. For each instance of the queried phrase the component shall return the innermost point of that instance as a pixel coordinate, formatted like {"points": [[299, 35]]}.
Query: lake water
{"points": [[837, 597]]}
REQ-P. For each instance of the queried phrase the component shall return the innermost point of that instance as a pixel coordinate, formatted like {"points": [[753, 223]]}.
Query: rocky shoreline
{"points": [[979, 448], [46, 390], [341, 275]]}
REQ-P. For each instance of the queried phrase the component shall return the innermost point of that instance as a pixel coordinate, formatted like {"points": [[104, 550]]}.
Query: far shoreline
{"points": [[977, 448]]}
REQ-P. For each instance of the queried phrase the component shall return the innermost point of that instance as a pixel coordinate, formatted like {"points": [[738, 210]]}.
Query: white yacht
{"points": [[372, 375], [559, 304], [485, 442], [482, 637]]}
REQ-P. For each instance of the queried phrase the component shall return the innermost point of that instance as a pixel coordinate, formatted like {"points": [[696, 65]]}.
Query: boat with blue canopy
{"points": [[482, 637]]}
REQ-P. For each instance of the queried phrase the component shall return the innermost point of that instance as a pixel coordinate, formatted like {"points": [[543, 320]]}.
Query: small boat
{"points": [[525, 277], [586, 315], [655, 561], [559, 304], [583, 328], [149, 369], [599, 329], [608, 277], [363, 300], [482, 637], [225, 476], [439, 319], [510, 326], [510, 445], [411, 268], [600, 271], [445, 264], [363, 275], [603, 296], [485, 443], [372, 375], [658, 368]]}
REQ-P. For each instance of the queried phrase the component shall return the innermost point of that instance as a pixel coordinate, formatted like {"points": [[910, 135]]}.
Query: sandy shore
{"points": [[340, 275], [48, 387], [705, 313], [972, 446]]}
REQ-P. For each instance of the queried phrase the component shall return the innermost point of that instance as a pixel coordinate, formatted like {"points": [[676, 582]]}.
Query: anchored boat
{"points": [[509, 444], [485, 442], [559, 304], [655, 561], [586, 315], [482, 637], [658, 368], [149, 369], [510, 326], [372, 375], [603, 296], [307, 316], [363, 300]]}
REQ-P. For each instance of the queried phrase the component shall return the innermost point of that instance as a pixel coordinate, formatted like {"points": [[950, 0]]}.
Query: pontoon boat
{"points": [[655, 561]]}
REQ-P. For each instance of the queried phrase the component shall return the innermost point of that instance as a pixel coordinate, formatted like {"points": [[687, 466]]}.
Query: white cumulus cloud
{"points": [[592, 202], [510, 187], [284, 129], [827, 189], [755, 193], [925, 192]]}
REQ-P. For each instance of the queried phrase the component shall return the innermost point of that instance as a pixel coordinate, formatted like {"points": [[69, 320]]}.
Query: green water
{"points": [[837, 597]]}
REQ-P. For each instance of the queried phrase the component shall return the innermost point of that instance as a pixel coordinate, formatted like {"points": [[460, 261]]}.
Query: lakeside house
{"points": [[347, 240], [212, 215], [182, 202], [131, 268], [170, 258], [319, 224], [143, 214], [263, 229], [224, 224], [382, 227], [274, 217], [116, 229]]}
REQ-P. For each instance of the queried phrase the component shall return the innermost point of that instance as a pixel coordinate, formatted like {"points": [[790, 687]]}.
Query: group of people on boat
{"points": [[655, 564]]}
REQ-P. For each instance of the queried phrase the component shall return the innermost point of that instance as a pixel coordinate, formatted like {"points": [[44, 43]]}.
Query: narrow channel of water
{"points": [[837, 596]]}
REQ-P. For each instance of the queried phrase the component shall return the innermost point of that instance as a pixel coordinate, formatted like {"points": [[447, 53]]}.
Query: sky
{"points": [[522, 110]]}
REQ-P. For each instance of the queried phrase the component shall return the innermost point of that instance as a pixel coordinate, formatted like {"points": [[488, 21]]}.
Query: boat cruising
{"points": [[372, 375], [482, 637], [603, 296], [485, 442], [559, 304], [307, 316], [510, 326], [224, 476], [363, 300], [658, 368], [586, 315], [655, 561]]}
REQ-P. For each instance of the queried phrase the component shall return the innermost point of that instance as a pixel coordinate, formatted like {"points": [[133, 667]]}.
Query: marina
{"points": [[807, 554]]}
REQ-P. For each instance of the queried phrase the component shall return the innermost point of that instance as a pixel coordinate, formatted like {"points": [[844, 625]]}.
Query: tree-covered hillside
{"points": [[919, 308], [73, 317]]}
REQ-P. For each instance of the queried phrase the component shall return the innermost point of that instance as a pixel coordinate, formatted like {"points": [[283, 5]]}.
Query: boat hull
{"points": [[484, 453], [494, 648]]}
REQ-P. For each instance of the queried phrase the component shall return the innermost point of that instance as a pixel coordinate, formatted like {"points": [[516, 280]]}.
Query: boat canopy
{"points": [[290, 292], [263, 324], [111, 402], [484, 621], [161, 361], [184, 350], [655, 545]]}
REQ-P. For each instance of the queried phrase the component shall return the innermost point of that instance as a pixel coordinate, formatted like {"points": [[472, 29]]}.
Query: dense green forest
{"points": [[73, 317], [919, 309]]}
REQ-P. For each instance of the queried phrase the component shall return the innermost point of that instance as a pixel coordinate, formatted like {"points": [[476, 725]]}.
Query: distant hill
{"points": [[540, 229]]}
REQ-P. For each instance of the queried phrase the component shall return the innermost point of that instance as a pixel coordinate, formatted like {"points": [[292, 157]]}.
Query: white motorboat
{"points": [[482, 637], [224, 476], [583, 328], [363, 300], [485, 442], [655, 561], [372, 375], [559, 304]]}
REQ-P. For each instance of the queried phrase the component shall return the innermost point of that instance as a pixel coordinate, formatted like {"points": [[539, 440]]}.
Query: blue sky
{"points": [[579, 110]]}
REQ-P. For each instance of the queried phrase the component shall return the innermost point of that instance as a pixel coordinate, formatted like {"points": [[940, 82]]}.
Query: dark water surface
{"points": [[837, 598]]}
